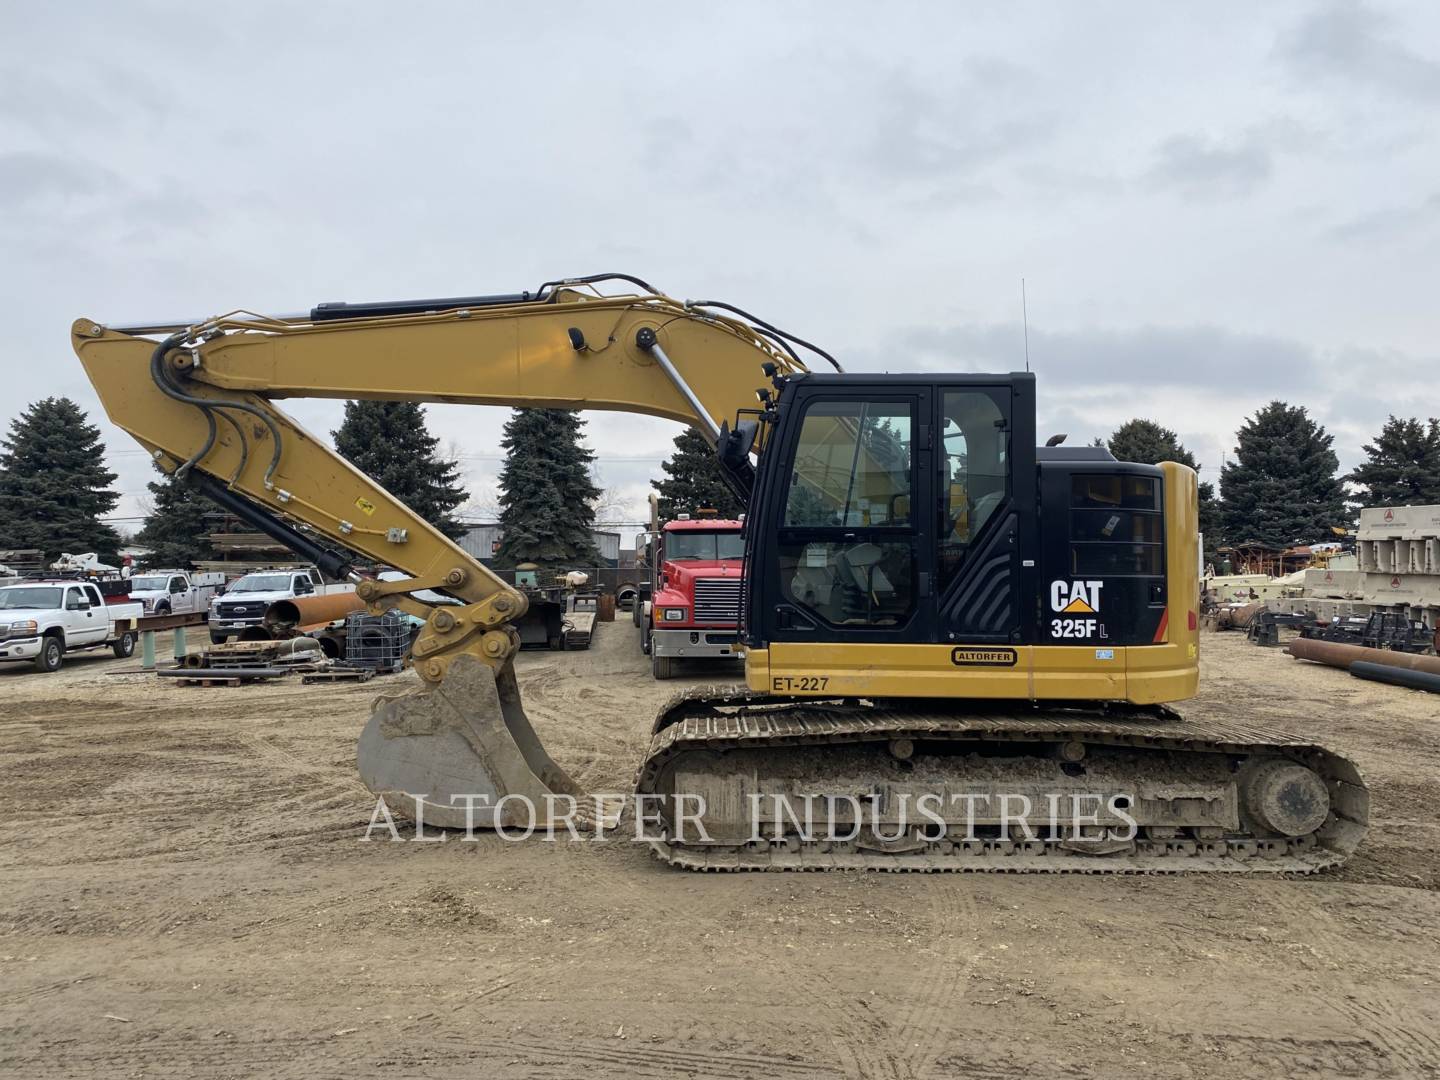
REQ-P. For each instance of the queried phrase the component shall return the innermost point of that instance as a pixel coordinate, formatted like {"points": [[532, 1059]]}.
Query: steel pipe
{"points": [[224, 672], [308, 612], [1338, 655], [1416, 680]]}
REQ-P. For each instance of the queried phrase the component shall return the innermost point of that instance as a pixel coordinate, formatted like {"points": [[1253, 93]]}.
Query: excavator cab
{"points": [[908, 530]]}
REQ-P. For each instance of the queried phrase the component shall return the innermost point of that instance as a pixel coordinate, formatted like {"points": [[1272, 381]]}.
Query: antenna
{"points": [[1025, 322]]}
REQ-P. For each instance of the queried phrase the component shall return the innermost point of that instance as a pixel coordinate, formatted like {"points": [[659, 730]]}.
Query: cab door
{"points": [[181, 600], [850, 555], [81, 622], [986, 510]]}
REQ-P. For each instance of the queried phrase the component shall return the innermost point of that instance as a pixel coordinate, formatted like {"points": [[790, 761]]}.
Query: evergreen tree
{"points": [[1282, 489], [546, 494], [390, 443], [54, 486], [1402, 466], [1147, 443], [694, 480], [176, 529]]}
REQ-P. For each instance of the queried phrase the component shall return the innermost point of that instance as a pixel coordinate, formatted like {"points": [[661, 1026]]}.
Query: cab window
{"points": [[974, 473], [75, 600], [846, 552]]}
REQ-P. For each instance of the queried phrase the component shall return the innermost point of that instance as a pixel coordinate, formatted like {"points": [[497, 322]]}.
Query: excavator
{"points": [[941, 621]]}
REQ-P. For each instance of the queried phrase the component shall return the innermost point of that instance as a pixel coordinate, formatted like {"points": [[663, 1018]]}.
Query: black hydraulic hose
{"points": [[157, 373], [592, 279], [205, 405], [767, 326]]}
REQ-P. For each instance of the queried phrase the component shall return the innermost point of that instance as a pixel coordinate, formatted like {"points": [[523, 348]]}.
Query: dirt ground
{"points": [[185, 893]]}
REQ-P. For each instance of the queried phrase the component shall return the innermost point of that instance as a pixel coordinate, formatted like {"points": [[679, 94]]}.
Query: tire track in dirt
{"points": [[925, 1026], [1403, 1034]]}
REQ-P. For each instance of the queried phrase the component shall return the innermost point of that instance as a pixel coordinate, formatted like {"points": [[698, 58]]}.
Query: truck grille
{"points": [[253, 610], [717, 600]]}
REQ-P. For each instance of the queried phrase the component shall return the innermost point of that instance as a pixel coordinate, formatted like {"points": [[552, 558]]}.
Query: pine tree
{"points": [[54, 486], [176, 528], [694, 480], [1147, 443], [1402, 466], [546, 494], [1282, 489], [390, 443]]}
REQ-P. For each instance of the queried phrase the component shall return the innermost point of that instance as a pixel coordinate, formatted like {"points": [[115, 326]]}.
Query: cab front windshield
{"points": [[261, 583], [149, 583], [687, 545], [37, 599]]}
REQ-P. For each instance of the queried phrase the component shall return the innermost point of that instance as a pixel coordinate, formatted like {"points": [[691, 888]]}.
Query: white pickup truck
{"points": [[246, 600], [175, 592], [40, 621]]}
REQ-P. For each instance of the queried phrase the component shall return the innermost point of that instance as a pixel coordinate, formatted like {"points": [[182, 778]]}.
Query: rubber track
{"points": [[721, 718]]}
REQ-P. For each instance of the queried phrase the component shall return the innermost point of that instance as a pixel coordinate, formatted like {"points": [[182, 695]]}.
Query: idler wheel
{"points": [[1287, 798]]}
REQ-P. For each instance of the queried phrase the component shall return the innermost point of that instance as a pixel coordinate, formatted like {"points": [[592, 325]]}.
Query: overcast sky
{"points": [[1211, 205]]}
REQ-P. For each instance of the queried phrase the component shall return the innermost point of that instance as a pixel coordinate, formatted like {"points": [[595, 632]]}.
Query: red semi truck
{"points": [[694, 609]]}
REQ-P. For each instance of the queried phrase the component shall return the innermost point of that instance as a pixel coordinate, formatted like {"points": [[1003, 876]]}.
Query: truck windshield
{"points": [[29, 598], [261, 583], [149, 584], [703, 545]]}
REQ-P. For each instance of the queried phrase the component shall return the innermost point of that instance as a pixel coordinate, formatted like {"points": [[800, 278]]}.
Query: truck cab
{"points": [[175, 592], [694, 611]]}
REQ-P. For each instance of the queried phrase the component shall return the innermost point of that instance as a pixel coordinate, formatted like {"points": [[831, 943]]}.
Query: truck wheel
{"points": [[125, 646], [217, 639], [162, 608], [645, 640], [662, 667], [635, 606], [52, 651]]}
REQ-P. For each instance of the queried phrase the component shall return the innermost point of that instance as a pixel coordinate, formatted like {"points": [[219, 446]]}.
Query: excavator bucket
{"points": [[466, 750]]}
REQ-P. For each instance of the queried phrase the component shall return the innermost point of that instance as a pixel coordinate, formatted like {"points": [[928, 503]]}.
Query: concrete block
{"points": [[1335, 584]]}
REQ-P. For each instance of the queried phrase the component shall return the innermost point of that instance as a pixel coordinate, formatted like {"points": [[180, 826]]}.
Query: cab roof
{"points": [[706, 524]]}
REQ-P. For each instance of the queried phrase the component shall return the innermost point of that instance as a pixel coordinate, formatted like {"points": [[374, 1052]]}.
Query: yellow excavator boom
{"points": [[204, 399]]}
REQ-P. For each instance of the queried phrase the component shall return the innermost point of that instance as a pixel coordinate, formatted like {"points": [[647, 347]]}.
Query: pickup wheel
{"points": [[52, 653], [217, 639], [124, 645], [662, 667], [162, 608], [645, 640]]}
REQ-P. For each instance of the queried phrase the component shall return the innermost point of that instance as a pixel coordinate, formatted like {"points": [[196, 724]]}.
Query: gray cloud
{"points": [[28, 179], [1203, 168], [1353, 42], [954, 127], [1395, 221], [1139, 358]]}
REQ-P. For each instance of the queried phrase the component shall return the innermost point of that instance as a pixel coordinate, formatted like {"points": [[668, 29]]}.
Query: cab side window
{"points": [[93, 595], [974, 473], [75, 600]]}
